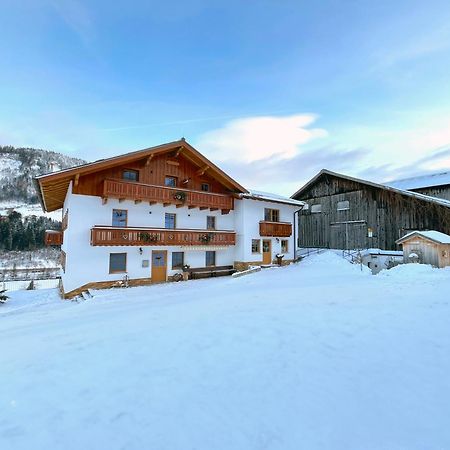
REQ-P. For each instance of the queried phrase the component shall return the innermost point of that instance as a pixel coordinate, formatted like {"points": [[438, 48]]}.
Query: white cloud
{"points": [[257, 138]]}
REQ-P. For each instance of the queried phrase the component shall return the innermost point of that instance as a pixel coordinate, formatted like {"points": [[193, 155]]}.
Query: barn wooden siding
{"points": [[389, 215], [436, 191]]}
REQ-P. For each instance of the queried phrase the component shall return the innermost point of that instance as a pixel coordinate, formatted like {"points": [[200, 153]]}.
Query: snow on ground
{"points": [[318, 355]]}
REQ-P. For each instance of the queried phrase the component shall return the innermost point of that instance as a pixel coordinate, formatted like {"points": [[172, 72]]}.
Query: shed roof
{"points": [[435, 236]]}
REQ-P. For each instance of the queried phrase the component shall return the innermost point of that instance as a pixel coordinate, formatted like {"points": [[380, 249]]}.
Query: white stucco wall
{"points": [[86, 263], [248, 214]]}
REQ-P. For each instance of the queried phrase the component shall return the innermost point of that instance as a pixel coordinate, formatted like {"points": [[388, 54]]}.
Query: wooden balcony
{"points": [[108, 236], [53, 237], [275, 229], [168, 196]]}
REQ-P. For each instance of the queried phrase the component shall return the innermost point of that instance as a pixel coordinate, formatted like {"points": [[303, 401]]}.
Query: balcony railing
{"points": [[102, 235], [275, 229], [53, 237], [160, 194]]}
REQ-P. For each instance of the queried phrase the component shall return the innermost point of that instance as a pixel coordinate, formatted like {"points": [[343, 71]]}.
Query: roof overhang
{"points": [[52, 188]]}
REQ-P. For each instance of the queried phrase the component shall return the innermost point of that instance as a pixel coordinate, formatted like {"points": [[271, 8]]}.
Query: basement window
{"points": [[117, 262], [343, 206], [316, 208]]}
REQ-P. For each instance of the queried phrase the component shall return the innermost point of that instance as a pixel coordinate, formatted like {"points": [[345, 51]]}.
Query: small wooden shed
{"points": [[426, 247]]}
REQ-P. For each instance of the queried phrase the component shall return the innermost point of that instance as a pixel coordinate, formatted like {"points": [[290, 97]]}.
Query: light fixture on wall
{"points": [[140, 250]]}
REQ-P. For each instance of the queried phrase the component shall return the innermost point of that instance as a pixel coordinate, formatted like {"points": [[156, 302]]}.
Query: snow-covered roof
{"points": [[435, 236], [434, 179], [404, 192], [269, 197]]}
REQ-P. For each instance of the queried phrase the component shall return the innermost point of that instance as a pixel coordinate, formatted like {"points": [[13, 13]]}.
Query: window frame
{"points": [[207, 185], [180, 266], [136, 172], [258, 251], [347, 202], [285, 243], [170, 177], [118, 271], [270, 214], [126, 218], [210, 252], [208, 218], [166, 215]]}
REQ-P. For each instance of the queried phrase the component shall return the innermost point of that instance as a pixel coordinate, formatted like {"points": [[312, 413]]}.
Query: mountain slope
{"points": [[18, 166]]}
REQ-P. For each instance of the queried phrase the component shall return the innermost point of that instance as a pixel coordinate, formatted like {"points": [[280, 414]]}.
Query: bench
{"points": [[208, 272]]}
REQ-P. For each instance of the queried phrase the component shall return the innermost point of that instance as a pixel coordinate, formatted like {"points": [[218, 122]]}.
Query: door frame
{"points": [[265, 253], [159, 267]]}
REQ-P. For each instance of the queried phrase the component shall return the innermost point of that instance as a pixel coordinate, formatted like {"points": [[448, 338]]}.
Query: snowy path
{"points": [[314, 356]]}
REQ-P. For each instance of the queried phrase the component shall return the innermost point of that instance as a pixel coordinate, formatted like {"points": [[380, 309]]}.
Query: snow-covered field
{"points": [[319, 355]]}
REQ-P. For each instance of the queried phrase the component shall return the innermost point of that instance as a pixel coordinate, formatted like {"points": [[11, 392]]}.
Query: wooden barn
{"points": [[435, 185], [426, 247], [343, 212]]}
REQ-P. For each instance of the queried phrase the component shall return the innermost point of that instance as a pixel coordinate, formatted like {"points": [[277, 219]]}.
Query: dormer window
{"points": [[130, 175]]}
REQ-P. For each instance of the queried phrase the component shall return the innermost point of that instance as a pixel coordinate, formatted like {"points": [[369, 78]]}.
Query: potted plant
{"points": [[185, 269], [180, 196]]}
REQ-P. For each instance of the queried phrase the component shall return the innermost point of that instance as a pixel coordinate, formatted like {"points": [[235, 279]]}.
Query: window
{"points": [[205, 187], [177, 260], [342, 206], [170, 220], [210, 259], [210, 222], [119, 217], [130, 175], [117, 262], [271, 215], [256, 246], [316, 208], [170, 181], [284, 245]]}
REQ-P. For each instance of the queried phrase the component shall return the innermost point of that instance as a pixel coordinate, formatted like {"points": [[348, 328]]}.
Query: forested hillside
{"points": [[18, 166]]}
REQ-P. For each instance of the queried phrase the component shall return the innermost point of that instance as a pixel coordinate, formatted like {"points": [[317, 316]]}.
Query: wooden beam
{"points": [[225, 211], [179, 206], [136, 202], [149, 160], [104, 200], [202, 208], [77, 178], [213, 209], [191, 207], [166, 204], [121, 200], [152, 203], [202, 170], [177, 153]]}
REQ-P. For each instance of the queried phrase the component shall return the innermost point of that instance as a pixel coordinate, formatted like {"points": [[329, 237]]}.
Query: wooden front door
{"points": [[159, 266], [267, 252]]}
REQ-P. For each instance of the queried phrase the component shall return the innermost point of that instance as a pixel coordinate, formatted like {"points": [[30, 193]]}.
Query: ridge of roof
{"points": [[433, 235], [404, 192]]}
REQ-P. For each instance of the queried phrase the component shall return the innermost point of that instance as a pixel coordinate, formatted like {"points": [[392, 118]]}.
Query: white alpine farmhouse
{"points": [[145, 216]]}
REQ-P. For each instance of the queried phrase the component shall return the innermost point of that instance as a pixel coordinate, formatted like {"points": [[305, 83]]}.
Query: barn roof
{"points": [[385, 187], [52, 187], [435, 236], [423, 181]]}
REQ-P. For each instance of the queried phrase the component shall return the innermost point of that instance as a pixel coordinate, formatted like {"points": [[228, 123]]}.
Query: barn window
{"points": [[344, 205], [316, 208]]}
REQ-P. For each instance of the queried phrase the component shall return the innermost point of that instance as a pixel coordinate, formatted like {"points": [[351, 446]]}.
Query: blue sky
{"points": [[272, 91]]}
